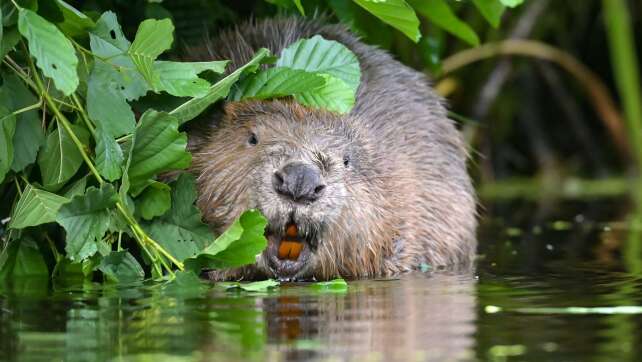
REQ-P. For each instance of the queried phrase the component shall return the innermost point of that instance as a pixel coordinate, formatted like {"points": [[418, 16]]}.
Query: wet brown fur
{"points": [[407, 201]]}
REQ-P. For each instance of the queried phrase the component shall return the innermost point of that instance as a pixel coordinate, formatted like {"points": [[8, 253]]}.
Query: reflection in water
{"points": [[409, 319], [419, 317], [500, 312]]}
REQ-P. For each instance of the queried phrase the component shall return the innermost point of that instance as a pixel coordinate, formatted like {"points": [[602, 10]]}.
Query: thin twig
{"points": [[595, 88]]}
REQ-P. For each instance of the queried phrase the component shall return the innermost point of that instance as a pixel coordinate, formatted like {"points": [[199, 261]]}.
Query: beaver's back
{"points": [[419, 149]]}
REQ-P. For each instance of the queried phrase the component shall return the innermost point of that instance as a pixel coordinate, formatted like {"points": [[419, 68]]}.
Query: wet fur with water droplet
{"points": [[397, 191]]}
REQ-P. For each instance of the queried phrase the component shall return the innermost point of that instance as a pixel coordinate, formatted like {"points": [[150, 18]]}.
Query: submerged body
{"points": [[379, 191]]}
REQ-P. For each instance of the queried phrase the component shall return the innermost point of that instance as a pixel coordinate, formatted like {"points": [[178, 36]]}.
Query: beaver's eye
{"points": [[253, 140], [346, 160]]}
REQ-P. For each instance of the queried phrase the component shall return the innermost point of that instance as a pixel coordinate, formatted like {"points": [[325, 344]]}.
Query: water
{"points": [[549, 285]]}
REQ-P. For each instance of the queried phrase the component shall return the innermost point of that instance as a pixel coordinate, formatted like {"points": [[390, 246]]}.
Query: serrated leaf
{"points": [[323, 56], [152, 38], [491, 10], [86, 219], [106, 102], [108, 32], [195, 106], [21, 258], [439, 13], [396, 13], [158, 147], [277, 82], [237, 246], [36, 207], [121, 267], [335, 96], [109, 155], [60, 159], [28, 136], [7, 130], [181, 230], [54, 53], [181, 79], [108, 42], [154, 201]]}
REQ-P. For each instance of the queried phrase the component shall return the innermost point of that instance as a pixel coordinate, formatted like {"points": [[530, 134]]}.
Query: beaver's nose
{"points": [[299, 181]]}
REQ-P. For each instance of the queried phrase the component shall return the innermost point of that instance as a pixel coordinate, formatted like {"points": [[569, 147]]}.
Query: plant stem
{"points": [[625, 66], [83, 114], [142, 237], [26, 109], [595, 88], [54, 250]]}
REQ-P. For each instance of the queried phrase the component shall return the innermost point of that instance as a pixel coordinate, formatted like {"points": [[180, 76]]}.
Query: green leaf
{"points": [[181, 230], [108, 42], [158, 147], [260, 286], [396, 13], [60, 159], [185, 283], [181, 79], [28, 136], [121, 267], [277, 82], [74, 22], [10, 39], [438, 12], [154, 201], [152, 38], [195, 106], [106, 101], [7, 130], [491, 10], [27, 140], [21, 258], [335, 96], [108, 39], [54, 53], [36, 207], [323, 56], [512, 3], [109, 155], [237, 246], [299, 6], [77, 188], [86, 219], [331, 285]]}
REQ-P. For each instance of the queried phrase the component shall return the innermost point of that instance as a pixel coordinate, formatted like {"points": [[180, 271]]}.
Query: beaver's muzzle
{"points": [[299, 182]]}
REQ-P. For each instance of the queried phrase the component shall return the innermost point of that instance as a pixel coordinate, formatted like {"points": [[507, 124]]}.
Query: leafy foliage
{"points": [[36, 207], [54, 53], [317, 72], [91, 145]]}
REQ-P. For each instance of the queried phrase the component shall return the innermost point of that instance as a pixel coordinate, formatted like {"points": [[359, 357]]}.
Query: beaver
{"points": [[381, 190]]}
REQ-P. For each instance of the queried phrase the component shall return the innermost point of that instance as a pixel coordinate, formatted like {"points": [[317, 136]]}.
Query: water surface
{"points": [[559, 285]]}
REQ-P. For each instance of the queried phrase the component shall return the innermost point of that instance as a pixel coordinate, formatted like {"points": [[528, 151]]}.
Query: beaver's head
{"points": [[314, 176]]}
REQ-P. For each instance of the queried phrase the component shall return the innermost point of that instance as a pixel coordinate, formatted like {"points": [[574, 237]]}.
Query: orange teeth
{"points": [[290, 249]]}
